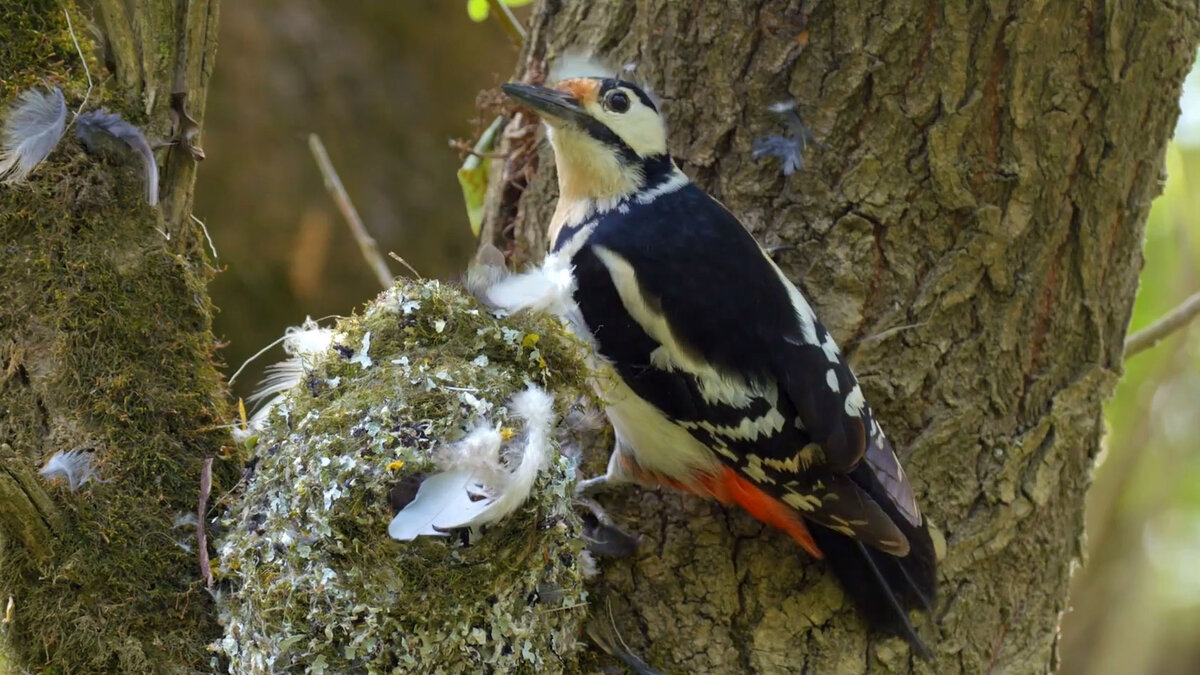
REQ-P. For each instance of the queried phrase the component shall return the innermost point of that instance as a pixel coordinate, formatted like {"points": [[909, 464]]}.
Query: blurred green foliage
{"points": [[479, 10], [1136, 603]]}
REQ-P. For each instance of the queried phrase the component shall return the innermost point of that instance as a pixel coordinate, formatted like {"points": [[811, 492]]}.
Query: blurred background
{"points": [[387, 85], [1135, 606]]}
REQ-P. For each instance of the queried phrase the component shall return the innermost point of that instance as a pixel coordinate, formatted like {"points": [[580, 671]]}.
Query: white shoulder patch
{"points": [[804, 313], [677, 181]]}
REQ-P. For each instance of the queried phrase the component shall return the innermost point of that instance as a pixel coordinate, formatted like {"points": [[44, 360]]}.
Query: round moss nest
{"points": [[311, 580]]}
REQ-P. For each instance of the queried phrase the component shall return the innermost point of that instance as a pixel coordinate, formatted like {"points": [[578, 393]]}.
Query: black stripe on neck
{"points": [[656, 170], [598, 131]]}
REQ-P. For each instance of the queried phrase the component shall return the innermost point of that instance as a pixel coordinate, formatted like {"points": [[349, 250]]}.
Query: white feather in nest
{"points": [[304, 344], [476, 488], [550, 287], [32, 128]]}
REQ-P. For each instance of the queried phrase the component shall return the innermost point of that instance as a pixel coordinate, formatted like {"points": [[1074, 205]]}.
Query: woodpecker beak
{"points": [[551, 103]]}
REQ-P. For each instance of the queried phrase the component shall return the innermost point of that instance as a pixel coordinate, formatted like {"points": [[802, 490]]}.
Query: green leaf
{"points": [[478, 9], [473, 175]]}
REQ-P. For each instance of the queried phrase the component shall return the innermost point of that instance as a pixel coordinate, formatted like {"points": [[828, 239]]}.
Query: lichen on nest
{"points": [[312, 581]]}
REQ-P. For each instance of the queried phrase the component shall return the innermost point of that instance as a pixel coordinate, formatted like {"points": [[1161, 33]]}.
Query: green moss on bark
{"points": [[106, 348]]}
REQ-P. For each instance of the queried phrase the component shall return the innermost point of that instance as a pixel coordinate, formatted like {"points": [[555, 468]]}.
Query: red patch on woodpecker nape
{"points": [[728, 487], [583, 89]]}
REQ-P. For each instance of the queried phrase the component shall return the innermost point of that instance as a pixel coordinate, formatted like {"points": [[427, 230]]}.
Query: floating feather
{"points": [[788, 148], [95, 127], [33, 127], [476, 489]]}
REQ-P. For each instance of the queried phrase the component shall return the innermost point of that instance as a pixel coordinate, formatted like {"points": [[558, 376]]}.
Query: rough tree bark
{"points": [[106, 348], [969, 228]]}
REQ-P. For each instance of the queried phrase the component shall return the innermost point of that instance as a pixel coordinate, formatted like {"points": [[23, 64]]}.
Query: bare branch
{"points": [[201, 527], [333, 183], [1170, 322], [508, 22]]}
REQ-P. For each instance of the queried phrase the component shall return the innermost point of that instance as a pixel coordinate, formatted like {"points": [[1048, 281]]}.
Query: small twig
{"points": [[508, 22], [1170, 322], [333, 183], [466, 149], [201, 529], [86, 71], [404, 262], [204, 229]]}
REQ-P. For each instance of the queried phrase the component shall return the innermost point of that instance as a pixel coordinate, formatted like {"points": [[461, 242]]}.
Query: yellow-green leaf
{"points": [[473, 175], [477, 10]]}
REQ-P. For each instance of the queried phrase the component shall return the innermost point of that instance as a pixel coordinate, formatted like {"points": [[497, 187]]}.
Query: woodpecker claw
{"points": [[603, 537], [592, 486]]}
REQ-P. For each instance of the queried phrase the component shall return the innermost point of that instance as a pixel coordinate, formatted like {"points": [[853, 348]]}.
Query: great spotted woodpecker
{"points": [[726, 383]]}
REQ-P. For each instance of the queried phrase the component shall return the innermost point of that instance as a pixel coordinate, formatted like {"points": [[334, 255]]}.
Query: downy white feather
{"points": [[304, 344], [73, 466], [32, 129], [452, 499], [549, 287]]}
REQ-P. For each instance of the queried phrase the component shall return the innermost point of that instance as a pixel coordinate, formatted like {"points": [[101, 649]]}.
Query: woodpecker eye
{"points": [[617, 101]]}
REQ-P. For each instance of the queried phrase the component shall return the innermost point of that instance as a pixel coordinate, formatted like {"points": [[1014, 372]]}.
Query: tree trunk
{"points": [[969, 227], [106, 349]]}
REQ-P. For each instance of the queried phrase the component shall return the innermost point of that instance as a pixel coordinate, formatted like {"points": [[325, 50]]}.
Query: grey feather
{"points": [[97, 127], [788, 148], [32, 129]]}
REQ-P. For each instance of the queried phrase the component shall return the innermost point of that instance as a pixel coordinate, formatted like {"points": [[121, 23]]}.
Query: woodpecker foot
{"points": [[592, 486], [603, 537]]}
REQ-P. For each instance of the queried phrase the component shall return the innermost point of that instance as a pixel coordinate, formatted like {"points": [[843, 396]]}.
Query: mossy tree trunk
{"points": [[106, 348], [970, 229]]}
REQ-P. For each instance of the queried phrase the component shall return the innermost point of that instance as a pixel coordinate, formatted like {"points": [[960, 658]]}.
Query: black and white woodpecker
{"points": [[726, 385]]}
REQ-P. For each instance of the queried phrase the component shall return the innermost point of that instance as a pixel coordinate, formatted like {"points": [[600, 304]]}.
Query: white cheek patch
{"points": [[641, 128]]}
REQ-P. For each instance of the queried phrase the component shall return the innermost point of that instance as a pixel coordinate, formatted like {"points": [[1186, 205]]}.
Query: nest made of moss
{"points": [[313, 582]]}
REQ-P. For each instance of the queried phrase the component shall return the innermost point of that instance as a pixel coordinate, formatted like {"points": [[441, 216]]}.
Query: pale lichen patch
{"points": [[317, 584]]}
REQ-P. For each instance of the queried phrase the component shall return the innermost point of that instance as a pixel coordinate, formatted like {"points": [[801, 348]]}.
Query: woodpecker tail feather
{"points": [[884, 587]]}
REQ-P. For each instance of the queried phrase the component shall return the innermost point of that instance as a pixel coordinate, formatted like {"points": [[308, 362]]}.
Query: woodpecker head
{"points": [[608, 136]]}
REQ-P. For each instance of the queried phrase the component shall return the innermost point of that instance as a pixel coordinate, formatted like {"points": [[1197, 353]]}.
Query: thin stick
{"points": [[201, 530], [404, 262], [204, 229], [508, 22], [86, 71], [366, 243], [257, 354], [1170, 322]]}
